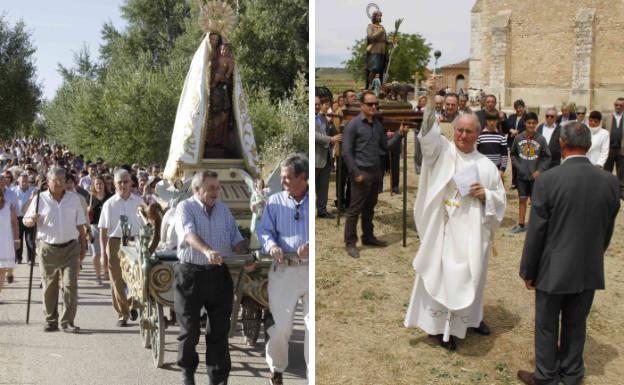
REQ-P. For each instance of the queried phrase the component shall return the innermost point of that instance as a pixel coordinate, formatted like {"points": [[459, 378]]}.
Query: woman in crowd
{"points": [[9, 236], [97, 196]]}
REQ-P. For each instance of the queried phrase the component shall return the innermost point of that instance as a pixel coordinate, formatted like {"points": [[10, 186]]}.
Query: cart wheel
{"points": [[157, 320], [144, 327]]}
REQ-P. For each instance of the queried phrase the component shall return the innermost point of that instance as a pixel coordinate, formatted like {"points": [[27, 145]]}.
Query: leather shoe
{"points": [[451, 345], [483, 329], [276, 379], [10, 278], [326, 215], [50, 328], [122, 323], [375, 242], [134, 315], [353, 251], [70, 328], [526, 377]]}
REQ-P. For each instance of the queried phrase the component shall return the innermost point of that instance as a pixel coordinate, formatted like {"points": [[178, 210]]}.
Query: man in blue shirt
{"points": [[207, 234], [284, 230], [24, 192]]}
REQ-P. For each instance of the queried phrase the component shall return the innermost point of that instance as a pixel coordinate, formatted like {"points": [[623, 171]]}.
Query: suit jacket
{"points": [[511, 122], [321, 141], [607, 124], [573, 210], [553, 145], [571, 117]]}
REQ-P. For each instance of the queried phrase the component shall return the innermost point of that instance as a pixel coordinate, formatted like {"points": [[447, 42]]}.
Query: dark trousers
{"points": [[559, 354], [363, 202], [615, 159], [343, 186], [27, 236], [394, 166], [322, 186], [210, 287]]}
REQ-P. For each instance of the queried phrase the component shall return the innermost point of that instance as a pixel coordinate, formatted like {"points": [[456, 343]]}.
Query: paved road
{"points": [[103, 353]]}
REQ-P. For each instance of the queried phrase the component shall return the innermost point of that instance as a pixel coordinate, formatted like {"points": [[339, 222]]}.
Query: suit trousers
{"points": [[210, 287], [26, 236], [615, 159], [322, 186], [559, 354], [64, 262], [343, 187], [121, 304], [395, 169], [363, 201], [286, 285]]}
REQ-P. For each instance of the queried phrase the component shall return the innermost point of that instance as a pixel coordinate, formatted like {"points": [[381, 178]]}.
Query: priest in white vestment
{"points": [[460, 203]]}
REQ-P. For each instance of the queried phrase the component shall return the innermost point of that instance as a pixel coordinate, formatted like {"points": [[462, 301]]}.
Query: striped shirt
{"points": [[494, 146], [284, 223], [217, 229]]}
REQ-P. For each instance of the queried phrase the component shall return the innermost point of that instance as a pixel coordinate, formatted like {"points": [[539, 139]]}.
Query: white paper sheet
{"points": [[466, 177]]}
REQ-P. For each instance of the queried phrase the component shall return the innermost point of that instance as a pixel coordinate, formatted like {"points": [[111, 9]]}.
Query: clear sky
{"points": [[445, 24], [59, 28]]}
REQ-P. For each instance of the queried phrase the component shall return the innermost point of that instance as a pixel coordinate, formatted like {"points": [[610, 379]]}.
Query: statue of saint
{"points": [[376, 50], [219, 115]]}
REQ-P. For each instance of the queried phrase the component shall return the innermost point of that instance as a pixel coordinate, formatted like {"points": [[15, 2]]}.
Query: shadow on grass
{"points": [[499, 319]]}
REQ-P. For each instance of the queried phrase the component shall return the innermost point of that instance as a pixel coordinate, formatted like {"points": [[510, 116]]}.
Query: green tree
{"points": [[411, 55], [271, 42], [20, 95]]}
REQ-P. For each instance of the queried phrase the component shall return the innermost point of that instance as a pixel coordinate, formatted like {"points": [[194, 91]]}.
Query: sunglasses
{"points": [[618, 105], [372, 104], [297, 214], [550, 116], [580, 113]]}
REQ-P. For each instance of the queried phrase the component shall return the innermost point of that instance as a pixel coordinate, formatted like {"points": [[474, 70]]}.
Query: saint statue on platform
{"points": [[377, 49]]}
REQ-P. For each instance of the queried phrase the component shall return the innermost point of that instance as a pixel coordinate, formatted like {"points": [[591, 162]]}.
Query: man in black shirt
{"points": [[364, 140]]}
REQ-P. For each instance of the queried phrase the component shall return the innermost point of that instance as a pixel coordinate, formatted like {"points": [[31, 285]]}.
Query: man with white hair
{"points": [[207, 235], [122, 204], [284, 229], [60, 221], [460, 203]]}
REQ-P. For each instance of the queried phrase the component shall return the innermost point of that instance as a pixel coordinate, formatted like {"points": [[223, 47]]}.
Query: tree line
{"points": [[121, 105]]}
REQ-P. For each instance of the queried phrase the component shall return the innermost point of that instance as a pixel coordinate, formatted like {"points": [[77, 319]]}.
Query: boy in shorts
{"points": [[530, 155]]}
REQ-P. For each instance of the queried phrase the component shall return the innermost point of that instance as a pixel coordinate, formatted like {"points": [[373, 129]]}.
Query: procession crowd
{"points": [[55, 205], [558, 164]]}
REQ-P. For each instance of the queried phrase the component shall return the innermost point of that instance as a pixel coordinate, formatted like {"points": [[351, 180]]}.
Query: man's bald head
{"points": [[466, 129]]}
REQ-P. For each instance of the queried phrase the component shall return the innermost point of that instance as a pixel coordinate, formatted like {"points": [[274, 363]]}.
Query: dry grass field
{"points": [[336, 79], [361, 304]]}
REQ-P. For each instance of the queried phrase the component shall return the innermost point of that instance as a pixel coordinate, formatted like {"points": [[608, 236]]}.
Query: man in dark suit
{"points": [[515, 125], [566, 115], [614, 123], [562, 261], [490, 106], [325, 136], [550, 130]]}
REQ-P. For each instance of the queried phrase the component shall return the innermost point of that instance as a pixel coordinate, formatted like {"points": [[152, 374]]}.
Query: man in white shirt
{"points": [[123, 203], [85, 181], [59, 218], [551, 131]]}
